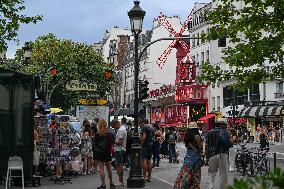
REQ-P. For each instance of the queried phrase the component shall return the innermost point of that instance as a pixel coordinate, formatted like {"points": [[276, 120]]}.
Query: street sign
{"points": [[100, 102], [85, 101], [218, 115], [76, 85]]}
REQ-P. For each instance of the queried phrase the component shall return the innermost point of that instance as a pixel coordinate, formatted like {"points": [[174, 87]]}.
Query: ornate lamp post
{"points": [[136, 179], [27, 52], [3, 55]]}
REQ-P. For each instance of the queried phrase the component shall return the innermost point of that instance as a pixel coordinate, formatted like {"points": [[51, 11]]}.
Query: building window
{"points": [[193, 41], [279, 87], [213, 103], [201, 34], [218, 103], [197, 39], [202, 57], [197, 58], [207, 56]]}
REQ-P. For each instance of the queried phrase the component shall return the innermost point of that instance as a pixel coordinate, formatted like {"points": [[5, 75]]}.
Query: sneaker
{"points": [[112, 186], [101, 187], [121, 184]]}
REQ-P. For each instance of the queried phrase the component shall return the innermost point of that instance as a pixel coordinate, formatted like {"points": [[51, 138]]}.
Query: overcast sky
{"points": [[87, 20]]}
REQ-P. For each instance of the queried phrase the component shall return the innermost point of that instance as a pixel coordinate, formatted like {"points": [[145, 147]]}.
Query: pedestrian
{"points": [[129, 143], [190, 173], [86, 150], [102, 153], [171, 140], [94, 128], [147, 139], [157, 145], [120, 147], [218, 143], [263, 138]]}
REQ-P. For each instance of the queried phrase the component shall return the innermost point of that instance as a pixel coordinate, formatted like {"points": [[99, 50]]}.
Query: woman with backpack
{"points": [[190, 173], [102, 153]]}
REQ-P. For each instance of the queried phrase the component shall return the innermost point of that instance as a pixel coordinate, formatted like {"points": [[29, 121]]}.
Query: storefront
{"points": [[172, 107], [262, 116]]}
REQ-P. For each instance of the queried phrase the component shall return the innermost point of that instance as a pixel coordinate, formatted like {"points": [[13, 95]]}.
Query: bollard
{"points": [[274, 160]]}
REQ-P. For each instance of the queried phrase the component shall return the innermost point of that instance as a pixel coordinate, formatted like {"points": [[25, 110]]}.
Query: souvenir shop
{"points": [[48, 144]]}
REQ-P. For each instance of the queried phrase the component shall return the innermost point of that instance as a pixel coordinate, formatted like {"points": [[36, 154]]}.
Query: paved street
{"points": [[163, 177]]}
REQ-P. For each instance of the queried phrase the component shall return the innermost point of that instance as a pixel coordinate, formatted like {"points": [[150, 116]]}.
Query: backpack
{"points": [[215, 143], [172, 138]]}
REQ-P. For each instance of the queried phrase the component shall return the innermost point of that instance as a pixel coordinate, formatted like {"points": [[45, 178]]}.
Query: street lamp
{"points": [[27, 52], [3, 55], [136, 179]]}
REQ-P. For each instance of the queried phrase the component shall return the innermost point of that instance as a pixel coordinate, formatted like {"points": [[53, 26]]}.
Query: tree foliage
{"points": [[274, 179], [11, 18], [256, 36], [72, 61]]}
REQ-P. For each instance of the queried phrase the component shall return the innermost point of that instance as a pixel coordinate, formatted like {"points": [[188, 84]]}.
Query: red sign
{"points": [[158, 114], [166, 89]]}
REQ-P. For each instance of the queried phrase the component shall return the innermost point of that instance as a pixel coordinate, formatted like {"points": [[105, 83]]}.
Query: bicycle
{"points": [[244, 160], [261, 165]]}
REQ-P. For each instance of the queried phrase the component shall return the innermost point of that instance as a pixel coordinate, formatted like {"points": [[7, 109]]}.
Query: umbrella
{"points": [[124, 112], [55, 110]]}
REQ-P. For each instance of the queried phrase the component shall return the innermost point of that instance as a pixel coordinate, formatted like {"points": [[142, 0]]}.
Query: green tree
{"points": [[256, 37], [274, 179], [11, 18], [72, 61]]}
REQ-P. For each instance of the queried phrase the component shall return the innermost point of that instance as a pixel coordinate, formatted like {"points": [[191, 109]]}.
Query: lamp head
{"points": [[136, 16]]}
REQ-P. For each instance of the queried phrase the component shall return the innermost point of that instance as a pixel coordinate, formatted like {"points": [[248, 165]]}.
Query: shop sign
{"points": [[76, 85], [163, 90], [85, 101], [218, 115]]}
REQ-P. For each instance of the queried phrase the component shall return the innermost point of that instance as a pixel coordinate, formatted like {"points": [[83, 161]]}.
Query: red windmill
{"points": [[178, 43], [188, 93]]}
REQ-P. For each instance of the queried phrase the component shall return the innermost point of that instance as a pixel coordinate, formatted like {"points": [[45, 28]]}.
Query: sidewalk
{"points": [[275, 147], [93, 181]]}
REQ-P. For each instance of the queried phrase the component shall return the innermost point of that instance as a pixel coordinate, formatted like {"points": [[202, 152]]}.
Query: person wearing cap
{"points": [[190, 173], [218, 143]]}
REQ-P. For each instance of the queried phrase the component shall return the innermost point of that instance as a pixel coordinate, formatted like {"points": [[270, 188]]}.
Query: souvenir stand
{"points": [[59, 161]]}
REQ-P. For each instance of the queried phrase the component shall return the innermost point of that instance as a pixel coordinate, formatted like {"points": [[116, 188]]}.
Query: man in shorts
{"points": [[147, 135], [120, 147]]}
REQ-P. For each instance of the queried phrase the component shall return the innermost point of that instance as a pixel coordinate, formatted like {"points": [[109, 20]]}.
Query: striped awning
{"points": [[260, 111]]}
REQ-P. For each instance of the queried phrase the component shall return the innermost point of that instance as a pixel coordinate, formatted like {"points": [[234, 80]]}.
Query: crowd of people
{"points": [[109, 147], [101, 144]]}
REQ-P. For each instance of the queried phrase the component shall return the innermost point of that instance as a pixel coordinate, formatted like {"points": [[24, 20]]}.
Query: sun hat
{"points": [[192, 125]]}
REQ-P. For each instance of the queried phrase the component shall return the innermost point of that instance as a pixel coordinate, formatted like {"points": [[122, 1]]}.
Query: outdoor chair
{"points": [[15, 163]]}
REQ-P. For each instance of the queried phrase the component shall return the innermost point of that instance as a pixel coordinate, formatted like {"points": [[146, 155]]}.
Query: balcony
{"points": [[279, 95]]}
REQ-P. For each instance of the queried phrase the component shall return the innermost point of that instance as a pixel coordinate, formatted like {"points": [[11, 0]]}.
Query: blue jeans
{"points": [[156, 153], [172, 153]]}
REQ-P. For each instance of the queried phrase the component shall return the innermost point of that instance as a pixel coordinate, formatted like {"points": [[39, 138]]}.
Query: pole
{"points": [[234, 107], [274, 161], [136, 179], [47, 83]]}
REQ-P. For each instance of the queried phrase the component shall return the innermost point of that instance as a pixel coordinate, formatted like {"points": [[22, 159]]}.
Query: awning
{"points": [[205, 118], [260, 111]]}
